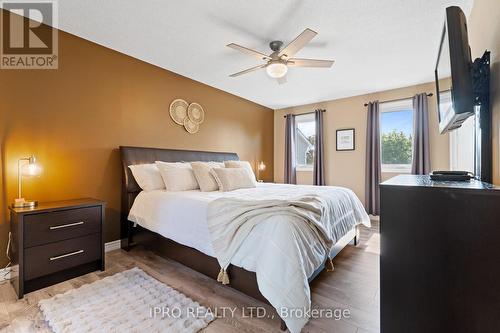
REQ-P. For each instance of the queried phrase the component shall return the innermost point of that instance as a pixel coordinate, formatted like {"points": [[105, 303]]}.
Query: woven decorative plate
{"points": [[191, 126], [178, 111], [196, 113]]}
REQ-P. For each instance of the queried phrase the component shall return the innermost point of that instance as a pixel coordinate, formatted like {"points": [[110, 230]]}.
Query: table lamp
{"points": [[260, 167], [29, 169]]}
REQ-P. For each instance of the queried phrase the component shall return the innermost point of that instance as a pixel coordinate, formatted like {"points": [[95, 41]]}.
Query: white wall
{"points": [[462, 147], [483, 26]]}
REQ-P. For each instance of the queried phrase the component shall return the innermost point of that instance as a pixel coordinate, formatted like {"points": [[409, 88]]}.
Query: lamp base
{"points": [[21, 203]]}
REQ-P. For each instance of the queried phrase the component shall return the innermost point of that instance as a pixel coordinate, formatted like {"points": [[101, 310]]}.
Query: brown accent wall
{"points": [[74, 119]]}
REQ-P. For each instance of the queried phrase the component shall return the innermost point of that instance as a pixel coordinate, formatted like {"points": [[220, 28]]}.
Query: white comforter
{"points": [[293, 256]]}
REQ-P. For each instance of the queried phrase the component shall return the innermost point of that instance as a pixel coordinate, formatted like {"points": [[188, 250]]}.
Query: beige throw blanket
{"points": [[284, 232], [230, 221]]}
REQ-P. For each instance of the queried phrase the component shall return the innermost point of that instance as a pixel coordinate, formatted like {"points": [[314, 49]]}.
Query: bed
{"points": [[173, 224]]}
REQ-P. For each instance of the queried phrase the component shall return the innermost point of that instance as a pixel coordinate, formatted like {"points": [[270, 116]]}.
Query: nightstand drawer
{"points": [[54, 257], [56, 226]]}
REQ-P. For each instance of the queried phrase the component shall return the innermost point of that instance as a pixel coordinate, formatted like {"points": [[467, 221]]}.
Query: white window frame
{"points": [[462, 149], [302, 167], [396, 106]]}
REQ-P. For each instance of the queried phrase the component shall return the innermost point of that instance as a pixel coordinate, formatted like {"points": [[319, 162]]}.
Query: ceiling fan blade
{"points": [[248, 70], [248, 51], [298, 43], [281, 80], [296, 62]]}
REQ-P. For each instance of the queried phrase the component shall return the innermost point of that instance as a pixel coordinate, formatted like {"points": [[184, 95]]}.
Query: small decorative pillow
{"points": [[241, 164], [177, 176], [202, 173], [147, 176], [230, 179]]}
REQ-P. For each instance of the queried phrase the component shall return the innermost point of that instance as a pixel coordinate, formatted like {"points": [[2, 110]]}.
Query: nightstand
{"points": [[55, 241]]}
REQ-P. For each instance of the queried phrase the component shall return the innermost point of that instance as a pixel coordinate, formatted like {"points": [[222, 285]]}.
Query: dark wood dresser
{"points": [[55, 241], [440, 256]]}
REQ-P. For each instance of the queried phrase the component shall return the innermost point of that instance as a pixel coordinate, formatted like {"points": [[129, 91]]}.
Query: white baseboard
{"points": [[111, 246], [5, 273]]}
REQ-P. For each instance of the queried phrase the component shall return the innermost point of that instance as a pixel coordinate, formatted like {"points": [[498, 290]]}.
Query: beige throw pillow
{"points": [[202, 173], [177, 176], [230, 179], [241, 164]]}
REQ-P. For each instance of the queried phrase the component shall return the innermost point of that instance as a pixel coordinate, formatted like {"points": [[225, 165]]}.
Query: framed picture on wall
{"points": [[346, 139]]}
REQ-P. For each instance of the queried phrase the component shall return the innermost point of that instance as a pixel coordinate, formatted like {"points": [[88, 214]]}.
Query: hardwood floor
{"points": [[353, 285]]}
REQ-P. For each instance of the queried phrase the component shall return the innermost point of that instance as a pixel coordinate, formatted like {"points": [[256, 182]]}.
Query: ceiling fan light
{"points": [[276, 70]]}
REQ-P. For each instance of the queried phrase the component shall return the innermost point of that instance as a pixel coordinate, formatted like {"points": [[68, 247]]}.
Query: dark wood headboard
{"points": [[143, 155]]}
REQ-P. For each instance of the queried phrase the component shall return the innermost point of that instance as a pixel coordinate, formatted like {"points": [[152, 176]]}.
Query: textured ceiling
{"points": [[376, 45]]}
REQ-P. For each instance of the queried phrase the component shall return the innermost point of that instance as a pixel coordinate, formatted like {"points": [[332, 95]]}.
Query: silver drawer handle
{"points": [[66, 225], [66, 255]]}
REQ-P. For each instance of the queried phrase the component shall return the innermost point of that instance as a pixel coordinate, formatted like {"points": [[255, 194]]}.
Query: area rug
{"points": [[130, 301]]}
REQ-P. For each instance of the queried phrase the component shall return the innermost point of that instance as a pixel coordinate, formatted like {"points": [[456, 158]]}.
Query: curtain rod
{"points": [[400, 99], [300, 114]]}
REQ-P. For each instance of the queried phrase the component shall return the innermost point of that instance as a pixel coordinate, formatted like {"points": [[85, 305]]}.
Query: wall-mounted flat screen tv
{"points": [[453, 73]]}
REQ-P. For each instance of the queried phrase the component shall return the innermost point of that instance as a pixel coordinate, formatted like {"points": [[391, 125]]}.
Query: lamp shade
{"points": [[262, 166], [32, 168]]}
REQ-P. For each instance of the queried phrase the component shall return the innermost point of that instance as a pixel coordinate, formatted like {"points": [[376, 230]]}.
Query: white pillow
{"points": [[230, 179], [147, 176], [202, 173], [177, 176], [241, 164]]}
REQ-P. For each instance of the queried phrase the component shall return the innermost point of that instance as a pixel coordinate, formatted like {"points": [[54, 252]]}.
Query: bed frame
{"points": [[241, 279]]}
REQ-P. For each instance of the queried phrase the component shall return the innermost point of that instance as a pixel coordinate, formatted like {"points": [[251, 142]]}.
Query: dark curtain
{"points": [[319, 151], [290, 161], [421, 164], [372, 167]]}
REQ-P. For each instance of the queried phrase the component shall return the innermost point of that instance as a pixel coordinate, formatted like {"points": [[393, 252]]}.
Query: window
{"points": [[396, 131], [305, 136]]}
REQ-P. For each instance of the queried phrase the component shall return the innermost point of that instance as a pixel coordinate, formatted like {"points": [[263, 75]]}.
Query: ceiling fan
{"points": [[280, 59]]}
